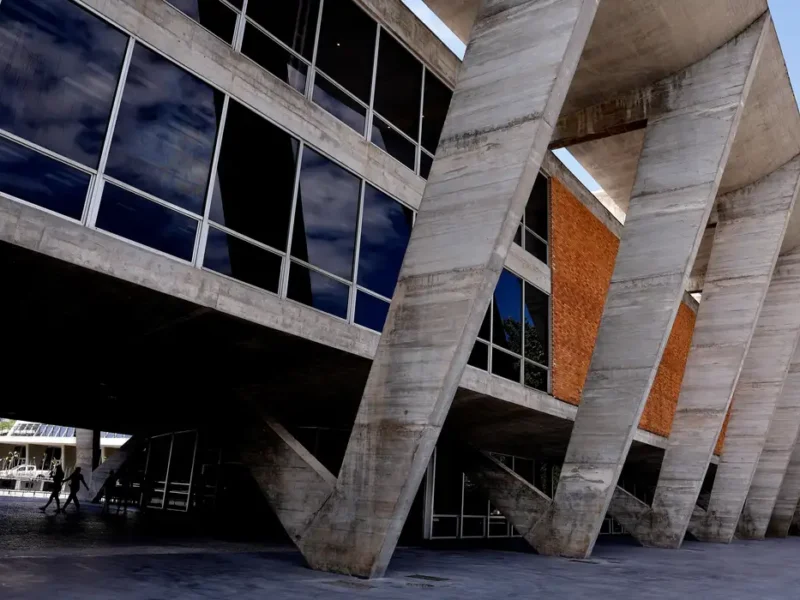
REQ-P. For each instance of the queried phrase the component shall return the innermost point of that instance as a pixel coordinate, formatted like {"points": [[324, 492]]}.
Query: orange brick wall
{"points": [[582, 258]]}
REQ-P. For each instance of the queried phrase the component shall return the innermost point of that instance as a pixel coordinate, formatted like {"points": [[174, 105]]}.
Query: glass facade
{"points": [[534, 230], [110, 133], [514, 339]]}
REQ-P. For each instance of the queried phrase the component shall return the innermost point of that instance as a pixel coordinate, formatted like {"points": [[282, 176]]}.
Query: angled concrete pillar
{"points": [[750, 229], [754, 401], [511, 87], [685, 151], [114, 462], [87, 456], [775, 489], [519, 501]]}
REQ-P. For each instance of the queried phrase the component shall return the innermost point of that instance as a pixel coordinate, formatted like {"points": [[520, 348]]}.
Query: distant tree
{"points": [[6, 424], [534, 350]]}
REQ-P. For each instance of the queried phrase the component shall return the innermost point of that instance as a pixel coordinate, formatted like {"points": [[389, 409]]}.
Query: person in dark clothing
{"points": [[58, 481], [75, 480], [109, 488]]}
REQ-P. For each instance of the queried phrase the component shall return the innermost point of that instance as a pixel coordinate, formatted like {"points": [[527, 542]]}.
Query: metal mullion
{"points": [[330, 79], [166, 476], [200, 245], [92, 207], [241, 21], [283, 286], [391, 126], [49, 153], [369, 292], [191, 473], [313, 74], [490, 341], [272, 37], [244, 238], [134, 190], [42, 208], [522, 336], [351, 307], [231, 6], [370, 108], [311, 267], [540, 365], [145, 247], [421, 115]]}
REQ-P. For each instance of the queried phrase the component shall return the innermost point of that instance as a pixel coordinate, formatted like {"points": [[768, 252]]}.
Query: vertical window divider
{"points": [[351, 308], [522, 324], [200, 246], [312, 75], [283, 287], [421, 116], [491, 335], [241, 25], [93, 205], [370, 108]]}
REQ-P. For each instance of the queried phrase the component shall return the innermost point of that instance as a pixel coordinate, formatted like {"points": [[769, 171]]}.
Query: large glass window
{"points": [[385, 232], [326, 215], [254, 188], [434, 111], [274, 58], [33, 177], [166, 130], [314, 289], [534, 230], [346, 49], [398, 86], [293, 22], [59, 67], [236, 258], [514, 339], [216, 16]]}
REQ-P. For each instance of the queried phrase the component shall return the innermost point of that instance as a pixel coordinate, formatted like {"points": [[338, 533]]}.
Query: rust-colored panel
{"points": [[663, 400], [582, 261], [583, 252], [721, 439]]}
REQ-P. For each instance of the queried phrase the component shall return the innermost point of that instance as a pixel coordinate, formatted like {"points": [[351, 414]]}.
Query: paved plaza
{"points": [[94, 557]]}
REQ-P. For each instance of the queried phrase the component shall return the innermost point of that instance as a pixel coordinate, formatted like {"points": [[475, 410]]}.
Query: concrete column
{"points": [[788, 497], [685, 151], [518, 67], [87, 455], [754, 402], [750, 229]]}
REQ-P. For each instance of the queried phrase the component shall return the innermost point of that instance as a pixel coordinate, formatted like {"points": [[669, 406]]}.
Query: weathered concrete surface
{"points": [[519, 501], [684, 155], [788, 497], [748, 236], [113, 463], [87, 457], [754, 401], [771, 472], [512, 84], [294, 482]]}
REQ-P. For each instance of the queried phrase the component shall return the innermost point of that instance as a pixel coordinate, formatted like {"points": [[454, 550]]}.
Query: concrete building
{"points": [[349, 264]]}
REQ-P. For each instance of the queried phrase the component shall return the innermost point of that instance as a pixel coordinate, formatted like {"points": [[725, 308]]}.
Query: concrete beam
{"points": [[751, 225], [520, 502], [512, 84], [789, 495], [754, 402], [685, 152], [771, 472]]}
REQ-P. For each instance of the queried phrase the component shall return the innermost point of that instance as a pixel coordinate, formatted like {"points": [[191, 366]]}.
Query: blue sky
{"points": [[785, 13]]}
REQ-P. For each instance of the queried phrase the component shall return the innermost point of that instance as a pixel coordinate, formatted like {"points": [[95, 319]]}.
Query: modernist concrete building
{"points": [[309, 224]]}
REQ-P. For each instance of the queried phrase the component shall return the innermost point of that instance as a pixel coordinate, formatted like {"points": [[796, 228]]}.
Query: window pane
{"points": [[385, 231], [518, 236], [371, 311], [278, 61], [434, 111], [59, 67], [537, 325], [535, 246], [425, 165], [347, 47], [165, 133], [507, 331], [398, 86], [536, 209], [479, 357], [535, 377], [505, 365], [253, 189], [211, 14], [314, 289], [146, 222], [236, 258], [294, 22], [388, 139], [325, 220], [485, 331], [35, 178], [339, 104]]}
